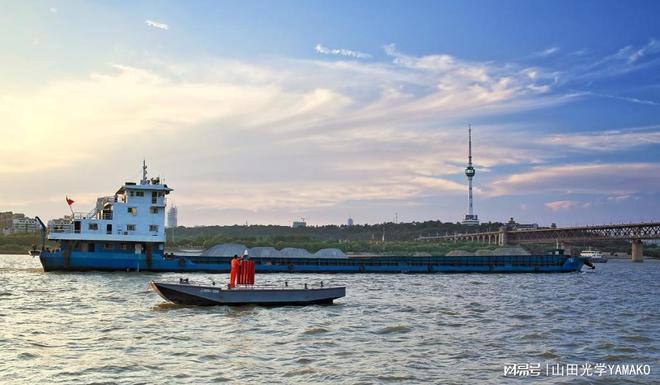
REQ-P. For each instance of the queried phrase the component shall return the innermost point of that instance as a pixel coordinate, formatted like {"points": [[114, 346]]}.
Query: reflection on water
{"points": [[108, 327]]}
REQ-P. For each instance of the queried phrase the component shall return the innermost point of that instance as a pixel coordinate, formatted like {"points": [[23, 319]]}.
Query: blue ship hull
{"points": [[126, 261]]}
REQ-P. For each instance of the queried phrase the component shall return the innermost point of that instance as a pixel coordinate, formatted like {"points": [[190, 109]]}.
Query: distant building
{"points": [[350, 221], [172, 217], [6, 221], [300, 223], [12, 223], [24, 225], [513, 225]]}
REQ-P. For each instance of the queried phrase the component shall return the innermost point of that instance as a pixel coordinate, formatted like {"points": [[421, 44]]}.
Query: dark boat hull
{"points": [[111, 261], [186, 294]]}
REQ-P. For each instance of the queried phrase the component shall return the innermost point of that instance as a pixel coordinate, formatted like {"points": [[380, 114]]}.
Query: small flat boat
{"points": [[185, 293]]}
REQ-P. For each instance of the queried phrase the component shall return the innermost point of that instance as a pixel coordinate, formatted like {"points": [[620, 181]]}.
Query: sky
{"points": [[270, 111]]}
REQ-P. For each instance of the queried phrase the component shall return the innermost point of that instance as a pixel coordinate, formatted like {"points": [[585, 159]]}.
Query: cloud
{"points": [[619, 198], [609, 140], [53, 10], [156, 24], [547, 52], [562, 205], [600, 179], [275, 134], [624, 98], [625, 60], [341, 52], [633, 55]]}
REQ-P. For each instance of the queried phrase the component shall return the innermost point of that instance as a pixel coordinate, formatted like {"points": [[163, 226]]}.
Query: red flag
{"points": [[69, 201]]}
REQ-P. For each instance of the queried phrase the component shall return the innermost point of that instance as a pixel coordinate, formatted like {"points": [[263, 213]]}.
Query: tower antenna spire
{"points": [[471, 218], [469, 145]]}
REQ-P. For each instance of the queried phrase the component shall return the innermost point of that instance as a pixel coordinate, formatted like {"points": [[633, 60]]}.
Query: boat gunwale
{"points": [[247, 289]]}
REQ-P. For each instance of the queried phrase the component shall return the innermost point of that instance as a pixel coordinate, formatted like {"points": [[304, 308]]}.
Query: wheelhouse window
{"points": [[93, 226], [130, 227], [139, 193], [132, 210], [153, 227], [154, 210]]}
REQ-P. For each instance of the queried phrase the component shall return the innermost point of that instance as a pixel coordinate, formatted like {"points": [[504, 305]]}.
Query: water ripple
{"points": [[61, 328]]}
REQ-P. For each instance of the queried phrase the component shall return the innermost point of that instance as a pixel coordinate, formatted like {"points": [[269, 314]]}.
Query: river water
{"points": [[445, 329]]}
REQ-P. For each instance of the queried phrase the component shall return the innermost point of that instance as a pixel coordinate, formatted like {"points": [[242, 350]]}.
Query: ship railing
{"points": [[99, 205], [61, 228], [286, 285], [77, 215]]}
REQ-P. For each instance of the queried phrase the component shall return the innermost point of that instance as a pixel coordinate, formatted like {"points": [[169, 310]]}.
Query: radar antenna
{"points": [[144, 172]]}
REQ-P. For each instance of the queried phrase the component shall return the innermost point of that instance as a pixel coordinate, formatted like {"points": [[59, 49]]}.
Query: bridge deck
{"points": [[632, 231]]}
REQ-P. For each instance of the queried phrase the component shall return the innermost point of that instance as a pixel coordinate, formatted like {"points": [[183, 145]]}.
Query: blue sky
{"points": [[270, 111]]}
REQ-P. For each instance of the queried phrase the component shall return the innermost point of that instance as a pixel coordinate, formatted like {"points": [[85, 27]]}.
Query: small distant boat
{"points": [[593, 255], [185, 293]]}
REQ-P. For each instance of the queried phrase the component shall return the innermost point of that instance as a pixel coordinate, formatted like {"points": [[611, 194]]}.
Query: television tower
{"points": [[471, 219]]}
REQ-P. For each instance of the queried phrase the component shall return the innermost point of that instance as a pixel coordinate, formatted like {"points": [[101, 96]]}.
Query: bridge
{"points": [[633, 232]]}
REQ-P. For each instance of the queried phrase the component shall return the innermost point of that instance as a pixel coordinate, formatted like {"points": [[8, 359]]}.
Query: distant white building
{"points": [[513, 225], [300, 223], [172, 217], [349, 222], [24, 225]]}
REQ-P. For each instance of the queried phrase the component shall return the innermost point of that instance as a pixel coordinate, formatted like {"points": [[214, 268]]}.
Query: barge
{"points": [[125, 232]]}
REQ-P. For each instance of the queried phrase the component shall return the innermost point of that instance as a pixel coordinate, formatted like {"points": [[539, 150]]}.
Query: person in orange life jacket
{"points": [[243, 274], [235, 265]]}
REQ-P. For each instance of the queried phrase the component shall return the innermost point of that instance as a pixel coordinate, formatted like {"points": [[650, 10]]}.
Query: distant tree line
{"points": [[389, 231]]}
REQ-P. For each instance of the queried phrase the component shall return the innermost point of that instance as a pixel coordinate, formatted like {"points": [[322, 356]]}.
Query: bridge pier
{"points": [[637, 253], [503, 241]]}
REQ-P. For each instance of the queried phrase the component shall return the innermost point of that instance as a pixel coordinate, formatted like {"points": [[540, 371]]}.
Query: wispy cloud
{"points": [[53, 10], [625, 60], [609, 140], [156, 24], [562, 205], [634, 55], [341, 52], [624, 98], [547, 52], [619, 198], [367, 131], [602, 179]]}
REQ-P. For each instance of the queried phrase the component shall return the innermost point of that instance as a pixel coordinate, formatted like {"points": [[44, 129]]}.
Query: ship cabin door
{"points": [[108, 228], [76, 227]]}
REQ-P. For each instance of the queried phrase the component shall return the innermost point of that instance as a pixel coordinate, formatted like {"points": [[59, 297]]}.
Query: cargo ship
{"points": [[125, 232]]}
